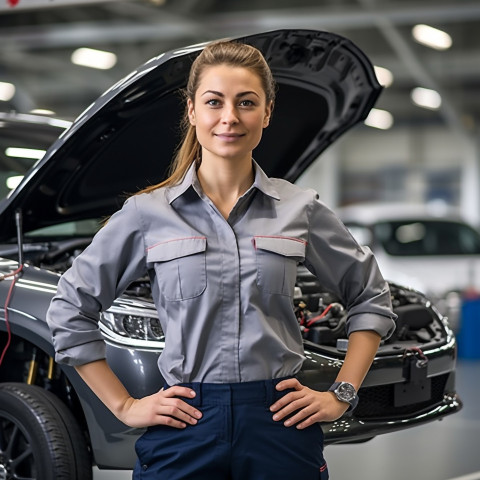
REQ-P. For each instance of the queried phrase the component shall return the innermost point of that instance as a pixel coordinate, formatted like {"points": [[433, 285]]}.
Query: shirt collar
{"points": [[173, 192], [261, 182]]}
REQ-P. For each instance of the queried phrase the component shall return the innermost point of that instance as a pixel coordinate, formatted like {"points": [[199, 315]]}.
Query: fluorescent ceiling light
{"points": [[13, 182], [426, 98], [431, 37], [7, 91], [24, 152], [379, 119], [88, 57], [42, 111], [384, 76]]}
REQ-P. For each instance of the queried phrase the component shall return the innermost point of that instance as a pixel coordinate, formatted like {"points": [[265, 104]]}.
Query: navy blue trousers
{"points": [[236, 439]]}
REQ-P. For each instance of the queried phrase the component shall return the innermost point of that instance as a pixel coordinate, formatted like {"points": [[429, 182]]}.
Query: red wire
{"points": [[7, 302], [315, 319]]}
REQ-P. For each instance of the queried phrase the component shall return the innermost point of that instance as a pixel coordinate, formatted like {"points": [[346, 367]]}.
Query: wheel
{"points": [[83, 459], [39, 438]]}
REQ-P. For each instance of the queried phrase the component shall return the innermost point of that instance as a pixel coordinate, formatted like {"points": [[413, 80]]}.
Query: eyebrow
{"points": [[238, 95]]}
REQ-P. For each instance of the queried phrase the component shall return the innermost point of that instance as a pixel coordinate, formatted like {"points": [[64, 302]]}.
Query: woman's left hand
{"points": [[307, 406]]}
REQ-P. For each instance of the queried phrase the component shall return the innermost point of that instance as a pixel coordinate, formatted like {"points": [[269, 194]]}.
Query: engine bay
{"points": [[322, 318]]}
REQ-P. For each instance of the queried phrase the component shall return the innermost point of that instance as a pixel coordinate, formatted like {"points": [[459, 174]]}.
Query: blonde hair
{"points": [[223, 52]]}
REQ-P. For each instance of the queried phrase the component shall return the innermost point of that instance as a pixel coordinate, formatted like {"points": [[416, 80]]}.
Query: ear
{"points": [[268, 113], [191, 111]]}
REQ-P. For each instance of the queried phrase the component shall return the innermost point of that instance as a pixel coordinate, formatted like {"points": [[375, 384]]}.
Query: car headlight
{"points": [[135, 327]]}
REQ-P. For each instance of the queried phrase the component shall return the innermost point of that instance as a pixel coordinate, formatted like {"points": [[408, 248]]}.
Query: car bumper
{"points": [[354, 430], [377, 413]]}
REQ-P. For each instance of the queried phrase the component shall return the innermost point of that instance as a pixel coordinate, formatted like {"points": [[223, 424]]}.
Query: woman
{"points": [[221, 242]]}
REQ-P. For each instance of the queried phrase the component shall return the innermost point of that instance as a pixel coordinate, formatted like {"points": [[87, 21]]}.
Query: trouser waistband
{"points": [[235, 393]]}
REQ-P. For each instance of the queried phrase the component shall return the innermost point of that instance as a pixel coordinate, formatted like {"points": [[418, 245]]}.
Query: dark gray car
{"points": [[51, 425]]}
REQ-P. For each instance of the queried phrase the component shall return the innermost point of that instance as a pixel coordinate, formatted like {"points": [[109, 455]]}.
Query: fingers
{"points": [[291, 383], [166, 407], [287, 405], [176, 412], [304, 407], [303, 418], [177, 391], [173, 411]]}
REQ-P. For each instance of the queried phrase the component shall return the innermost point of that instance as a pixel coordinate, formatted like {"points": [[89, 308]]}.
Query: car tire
{"points": [[39, 437], [82, 456]]}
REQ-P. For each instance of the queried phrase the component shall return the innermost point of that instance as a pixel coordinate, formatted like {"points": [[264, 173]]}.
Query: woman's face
{"points": [[229, 112]]}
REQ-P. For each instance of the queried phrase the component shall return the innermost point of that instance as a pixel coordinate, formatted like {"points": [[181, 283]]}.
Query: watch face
{"points": [[346, 392]]}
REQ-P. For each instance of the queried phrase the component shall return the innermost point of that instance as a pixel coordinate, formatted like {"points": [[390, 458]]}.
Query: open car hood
{"points": [[124, 141]]}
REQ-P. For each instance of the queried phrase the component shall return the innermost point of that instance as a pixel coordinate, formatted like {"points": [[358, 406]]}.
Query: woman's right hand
{"points": [[161, 408]]}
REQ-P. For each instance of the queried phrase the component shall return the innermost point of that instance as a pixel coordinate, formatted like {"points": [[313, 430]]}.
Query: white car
{"points": [[430, 248]]}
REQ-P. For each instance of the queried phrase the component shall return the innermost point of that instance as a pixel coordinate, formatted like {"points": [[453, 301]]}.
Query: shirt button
{"points": [[144, 467]]}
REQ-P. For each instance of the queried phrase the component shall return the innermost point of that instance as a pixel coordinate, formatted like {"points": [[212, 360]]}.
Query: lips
{"points": [[229, 137]]}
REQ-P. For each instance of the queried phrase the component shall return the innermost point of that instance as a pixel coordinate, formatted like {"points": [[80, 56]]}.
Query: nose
{"points": [[229, 116]]}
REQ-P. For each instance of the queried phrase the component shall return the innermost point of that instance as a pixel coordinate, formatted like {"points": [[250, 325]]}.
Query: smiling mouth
{"points": [[229, 137]]}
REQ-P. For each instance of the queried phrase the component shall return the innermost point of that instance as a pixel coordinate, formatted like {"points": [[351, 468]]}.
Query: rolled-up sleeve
{"points": [[114, 259], [350, 271]]}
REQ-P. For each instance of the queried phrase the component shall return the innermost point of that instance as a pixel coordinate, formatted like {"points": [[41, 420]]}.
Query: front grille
{"points": [[377, 403]]}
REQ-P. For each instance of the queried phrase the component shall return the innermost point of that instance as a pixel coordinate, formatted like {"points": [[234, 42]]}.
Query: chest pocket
{"points": [[180, 267], [277, 260]]}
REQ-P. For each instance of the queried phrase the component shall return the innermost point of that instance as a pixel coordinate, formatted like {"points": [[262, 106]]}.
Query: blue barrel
{"points": [[468, 337]]}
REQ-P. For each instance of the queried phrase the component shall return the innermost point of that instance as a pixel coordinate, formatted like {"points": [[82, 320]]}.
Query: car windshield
{"points": [[79, 228], [421, 237]]}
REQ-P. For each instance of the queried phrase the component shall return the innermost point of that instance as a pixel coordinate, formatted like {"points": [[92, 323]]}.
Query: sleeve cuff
{"points": [[384, 326], [82, 354]]}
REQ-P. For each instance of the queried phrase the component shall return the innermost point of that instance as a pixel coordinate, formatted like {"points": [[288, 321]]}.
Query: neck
{"points": [[224, 182]]}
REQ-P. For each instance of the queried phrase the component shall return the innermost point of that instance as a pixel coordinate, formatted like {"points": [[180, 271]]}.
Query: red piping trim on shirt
{"points": [[299, 240], [176, 240], [280, 236]]}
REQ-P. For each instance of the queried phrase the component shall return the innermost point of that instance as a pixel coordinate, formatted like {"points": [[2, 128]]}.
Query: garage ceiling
{"points": [[37, 38]]}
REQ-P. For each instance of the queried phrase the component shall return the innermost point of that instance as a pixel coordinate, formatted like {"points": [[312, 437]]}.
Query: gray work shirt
{"points": [[223, 288]]}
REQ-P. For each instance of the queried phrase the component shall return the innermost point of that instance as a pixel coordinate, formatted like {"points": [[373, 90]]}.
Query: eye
{"points": [[247, 103], [213, 102]]}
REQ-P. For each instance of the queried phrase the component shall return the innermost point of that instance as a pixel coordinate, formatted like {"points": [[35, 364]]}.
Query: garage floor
{"points": [[446, 450]]}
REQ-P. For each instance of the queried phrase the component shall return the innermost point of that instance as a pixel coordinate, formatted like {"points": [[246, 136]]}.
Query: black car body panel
{"points": [[123, 142]]}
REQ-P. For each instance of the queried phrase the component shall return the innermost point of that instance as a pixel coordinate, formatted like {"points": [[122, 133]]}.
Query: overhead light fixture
{"points": [[384, 76], [13, 182], [88, 57], [381, 119], [426, 98], [19, 152], [42, 111], [431, 37], [7, 91]]}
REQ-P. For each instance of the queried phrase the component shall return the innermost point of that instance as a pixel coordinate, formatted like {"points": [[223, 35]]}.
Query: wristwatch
{"points": [[345, 392]]}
